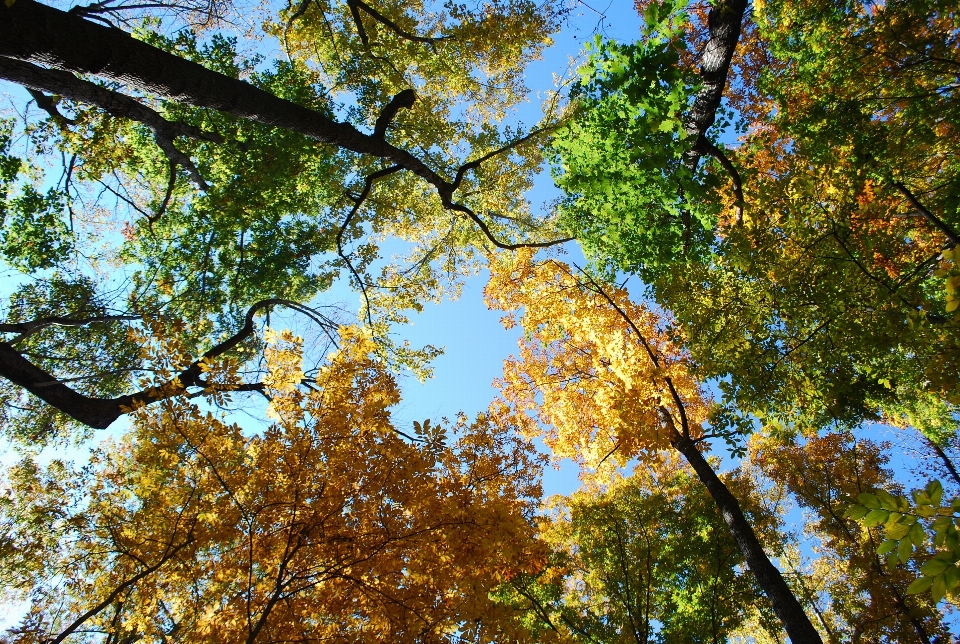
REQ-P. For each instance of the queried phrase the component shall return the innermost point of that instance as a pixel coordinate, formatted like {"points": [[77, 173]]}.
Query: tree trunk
{"points": [[36, 33], [724, 23], [785, 604]]}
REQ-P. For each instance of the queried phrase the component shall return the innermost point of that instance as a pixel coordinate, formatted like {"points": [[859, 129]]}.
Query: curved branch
{"points": [[482, 225], [37, 79], [404, 99], [99, 413], [357, 202], [711, 149], [49, 105], [357, 5]]}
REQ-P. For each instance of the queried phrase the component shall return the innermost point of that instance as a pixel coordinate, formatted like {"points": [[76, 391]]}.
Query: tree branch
{"points": [[32, 326], [357, 5], [941, 225], [711, 149], [724, 23], [99, 413], [119, 589], [402, 100], [37, 79], [357, 202], [48, 105]]}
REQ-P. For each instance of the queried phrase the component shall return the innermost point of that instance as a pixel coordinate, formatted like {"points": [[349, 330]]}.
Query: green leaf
{"points": [[856, 512], [887, 500], [875, 517], [904, 550], [935, 491], [917, 535], [919, 585], [887, 546], [869, 500], [934, 567], [951, 577], [939, 588]]}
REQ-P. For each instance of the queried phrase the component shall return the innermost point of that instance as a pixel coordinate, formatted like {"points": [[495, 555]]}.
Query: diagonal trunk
{"points": [[785, 604], [36, 33]]}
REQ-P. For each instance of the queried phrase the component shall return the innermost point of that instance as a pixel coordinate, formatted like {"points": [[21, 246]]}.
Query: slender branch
{"points": [[357, 5], [947, 461], [36, 79], [119, 589], [674, 394], [711, 149], [33, 326], [941, 225], [475, 163], [496, 242], [357, 202]]}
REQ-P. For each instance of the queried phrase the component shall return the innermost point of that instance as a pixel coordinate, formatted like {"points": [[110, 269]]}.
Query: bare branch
{"points": [[357, 5], [48, 105], [357, 202], [711, 149], [99, 413], [941, 225], [26, 329], [402, 100], [482, 225]]}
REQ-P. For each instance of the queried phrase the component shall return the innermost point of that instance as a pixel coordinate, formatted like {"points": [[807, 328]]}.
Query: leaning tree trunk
{"points": [[785, 604]]}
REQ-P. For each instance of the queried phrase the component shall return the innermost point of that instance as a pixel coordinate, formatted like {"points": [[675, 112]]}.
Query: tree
{"points": [[247, 183], [868, 598], [597, 371], [330, 523], [648, 559], [815, 299]]}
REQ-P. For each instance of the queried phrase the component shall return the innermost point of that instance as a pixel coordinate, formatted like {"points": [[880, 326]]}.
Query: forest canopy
{"points": [[740, 309]]}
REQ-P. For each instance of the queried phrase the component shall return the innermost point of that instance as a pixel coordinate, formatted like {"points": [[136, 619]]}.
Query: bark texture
{"points": [[35, 33], [724, 22], [785, 604]]}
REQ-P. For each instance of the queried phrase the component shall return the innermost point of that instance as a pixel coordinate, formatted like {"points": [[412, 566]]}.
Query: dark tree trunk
{"points": [[785, 604], [36, 33], [724, 23]]}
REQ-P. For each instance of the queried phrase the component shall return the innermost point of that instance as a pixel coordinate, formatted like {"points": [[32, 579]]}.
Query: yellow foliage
{"points": [[328, 525], [594, 366]]}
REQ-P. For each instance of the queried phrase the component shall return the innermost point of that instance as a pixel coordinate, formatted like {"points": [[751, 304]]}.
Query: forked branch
{"points": [[99, 413], [356, 6]]}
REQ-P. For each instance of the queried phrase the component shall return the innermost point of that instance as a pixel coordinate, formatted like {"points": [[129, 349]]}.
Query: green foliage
{"points": [[908, 523], [632, 202], [649, 560], [96, 359], [34, 235]]}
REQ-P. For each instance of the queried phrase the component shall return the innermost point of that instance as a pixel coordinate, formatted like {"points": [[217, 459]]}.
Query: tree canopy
{"points": [[767, 198]]}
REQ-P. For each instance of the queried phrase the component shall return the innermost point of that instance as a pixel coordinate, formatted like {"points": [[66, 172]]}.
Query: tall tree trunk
{"points": [[785, 604], [36, 33]]}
